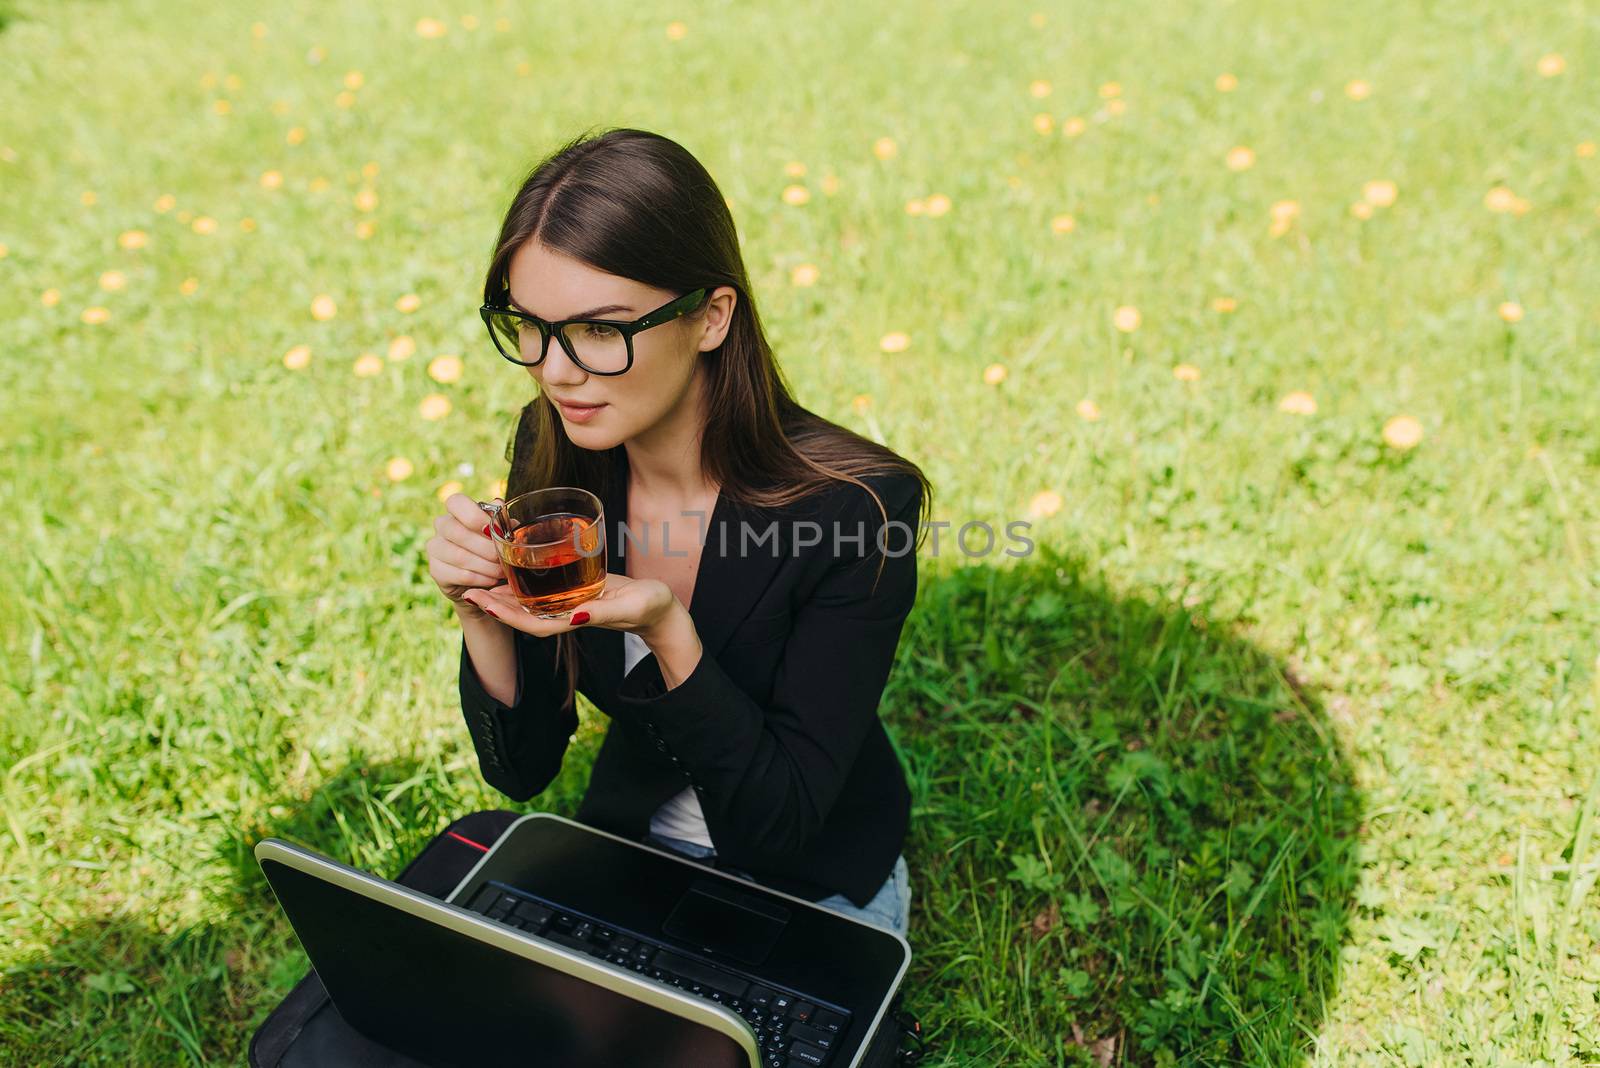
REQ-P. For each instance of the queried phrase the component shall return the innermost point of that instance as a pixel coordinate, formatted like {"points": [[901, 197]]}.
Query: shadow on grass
{"points": [[1133, 837], [1133, 834]]}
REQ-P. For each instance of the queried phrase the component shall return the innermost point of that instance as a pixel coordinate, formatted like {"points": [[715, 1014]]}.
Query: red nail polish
{"points": [[491, 611], [579, 618], [486, 530]]}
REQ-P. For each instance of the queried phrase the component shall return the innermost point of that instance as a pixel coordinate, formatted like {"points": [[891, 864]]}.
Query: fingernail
{"points": [[491, 611], [579, 618], [486, 530]]}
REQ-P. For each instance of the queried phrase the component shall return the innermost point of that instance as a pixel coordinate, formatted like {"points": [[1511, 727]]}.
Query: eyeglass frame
{"points": [[672, 309]]}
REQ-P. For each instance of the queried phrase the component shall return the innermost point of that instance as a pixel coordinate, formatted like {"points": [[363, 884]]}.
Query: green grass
{"points": [[1282, 748]]}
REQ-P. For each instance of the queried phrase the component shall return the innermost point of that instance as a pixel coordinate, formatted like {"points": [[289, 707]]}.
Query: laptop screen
{"points": [[447, 998]]}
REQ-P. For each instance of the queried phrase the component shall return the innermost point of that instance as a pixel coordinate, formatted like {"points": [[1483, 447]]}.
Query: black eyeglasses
{"points": [[599, 346]]}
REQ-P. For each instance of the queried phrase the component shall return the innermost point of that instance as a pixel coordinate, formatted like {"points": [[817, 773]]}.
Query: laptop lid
{"points": [[441, 984]]}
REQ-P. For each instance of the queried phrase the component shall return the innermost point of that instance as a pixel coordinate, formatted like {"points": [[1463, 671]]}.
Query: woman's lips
{"points": [[578, 413]]}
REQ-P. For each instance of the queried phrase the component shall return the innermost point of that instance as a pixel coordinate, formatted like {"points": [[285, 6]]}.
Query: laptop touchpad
{"points": [[723, 921]]}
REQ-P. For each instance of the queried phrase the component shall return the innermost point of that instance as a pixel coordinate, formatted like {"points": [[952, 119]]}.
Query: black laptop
{"points": [[567, 947]]}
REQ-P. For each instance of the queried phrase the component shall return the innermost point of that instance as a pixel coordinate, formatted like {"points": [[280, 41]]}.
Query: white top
{"points": [[679, 816]]}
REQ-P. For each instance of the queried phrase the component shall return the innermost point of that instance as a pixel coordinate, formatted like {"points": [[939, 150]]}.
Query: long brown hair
{"points": [[639, 205]]}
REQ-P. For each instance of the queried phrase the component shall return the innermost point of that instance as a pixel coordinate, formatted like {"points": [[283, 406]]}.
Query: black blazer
{"points": [[776, 728]]}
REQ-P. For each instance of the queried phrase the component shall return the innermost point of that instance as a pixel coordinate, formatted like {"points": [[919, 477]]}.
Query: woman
{"points": [[750, 616]]}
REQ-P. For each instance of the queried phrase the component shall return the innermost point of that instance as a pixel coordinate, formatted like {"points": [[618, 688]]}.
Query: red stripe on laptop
{"points": [[479, 846]]}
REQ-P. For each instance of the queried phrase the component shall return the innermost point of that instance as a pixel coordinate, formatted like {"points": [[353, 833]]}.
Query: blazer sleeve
{"points": [[520, 745], [767, 776]]}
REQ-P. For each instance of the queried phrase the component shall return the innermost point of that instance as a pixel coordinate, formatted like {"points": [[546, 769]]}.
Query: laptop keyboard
{"points": [[792, 1030]]}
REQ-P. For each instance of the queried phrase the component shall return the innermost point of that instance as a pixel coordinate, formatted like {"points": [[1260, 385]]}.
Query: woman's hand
{"points": [[641, 606], [461, 558]]}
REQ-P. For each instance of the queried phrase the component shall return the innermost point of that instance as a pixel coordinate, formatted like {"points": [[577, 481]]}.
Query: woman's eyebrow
{"points": [[604, 309]]}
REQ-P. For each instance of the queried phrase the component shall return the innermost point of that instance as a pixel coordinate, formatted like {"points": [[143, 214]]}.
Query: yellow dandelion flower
{"points": [[445, 369], [165, 203], [95, 316], [188, 286], [1298, 402], [938, 205], [1380, 192], [204, 224], [133, 239], [1226, 83], [916, 206], [408, 304], [1073, 126], [1110, 90], [1186, 372], [1063, 224], [399, 469], [1402, 432], [885, 148], [1043, 123], [354, 79], [345, 99], [806, 274], [87, 198], [830, 184], [894, 342], [794, 169], [1037, 20], [402, 348], [1225, 305], [295, 136], [502, 25], [1361, 209], [1284, 213], [221, 107], [297, 357], [1087, 410], [861, 402], [1126, 318], [1039, 89], [434, 406], [1551, 64], [365, 229], [1511, 311], [1116, 107], [233, 83], [50, 298], [258, 30], [323, 308], [469, 22], [208, 80], [1357, 89], [1241, 158], [1044, 503], [280, 107], [112, 281], [449, 489], [369, 170], [796, 195], [677, 31], [271, 179], [1585, 150], [429, 29], [994, 374], [247, 224], [1500, 199], [367, 365]]}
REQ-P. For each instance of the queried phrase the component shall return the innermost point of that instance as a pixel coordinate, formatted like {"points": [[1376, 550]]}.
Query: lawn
{"points": [[1278, 322]]}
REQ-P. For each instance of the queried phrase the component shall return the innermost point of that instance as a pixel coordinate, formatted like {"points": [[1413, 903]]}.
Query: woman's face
{"points": [[666, 358]]}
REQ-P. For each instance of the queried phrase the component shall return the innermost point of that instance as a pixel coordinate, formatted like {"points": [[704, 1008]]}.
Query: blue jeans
{"points": [[890, 907]]}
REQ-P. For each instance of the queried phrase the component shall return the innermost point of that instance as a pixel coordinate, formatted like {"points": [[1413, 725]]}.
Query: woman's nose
{"points": [[557, 367]]}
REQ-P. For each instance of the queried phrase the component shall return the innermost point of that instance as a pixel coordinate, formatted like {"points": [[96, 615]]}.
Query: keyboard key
{"points": [[800, 1053], [781, 1003], [531, 914], [828, 1020], [802, 1011], [623, 945], [712, 978], [806, 1033], [567, 940], [484, 900], [760, 996]]}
